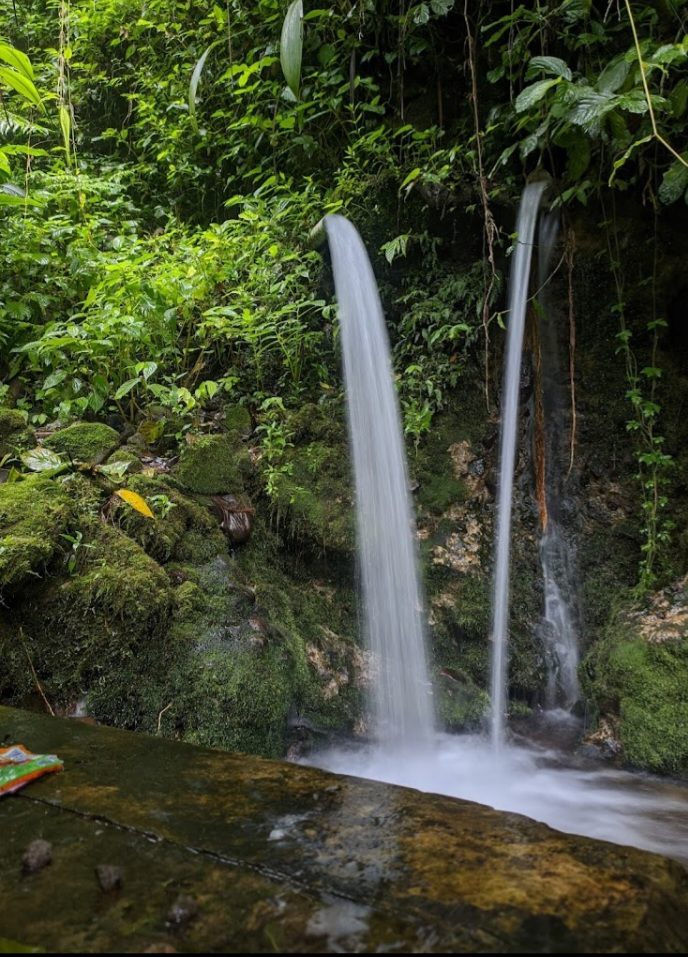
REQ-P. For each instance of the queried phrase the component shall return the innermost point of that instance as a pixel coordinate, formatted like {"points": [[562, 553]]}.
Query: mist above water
{"points": [[538, 781]]}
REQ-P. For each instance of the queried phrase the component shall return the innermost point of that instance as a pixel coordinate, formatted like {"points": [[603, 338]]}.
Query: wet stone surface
{"points": [[224, 852]]}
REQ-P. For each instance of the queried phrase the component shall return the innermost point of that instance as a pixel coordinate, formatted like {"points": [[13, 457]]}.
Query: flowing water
{"points": [[538, 777], [540, 781], [518, 296], [402, 697], [557, 557]]}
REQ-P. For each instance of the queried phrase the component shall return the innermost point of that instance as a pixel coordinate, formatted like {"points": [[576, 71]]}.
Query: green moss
{"points": [[14, 432], [34, 513], [461, 704], [212, 465], [189, 600], [95, 630], [645, 685], [439, 491], [84, 441], [237, 420], [313, 497]]}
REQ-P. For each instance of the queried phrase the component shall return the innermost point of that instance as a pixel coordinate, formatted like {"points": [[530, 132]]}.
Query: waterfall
{"points": [[518, 295], [557, 560], [401, 691]]}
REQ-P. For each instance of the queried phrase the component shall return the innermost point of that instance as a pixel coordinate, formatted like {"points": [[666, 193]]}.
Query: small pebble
{"points": [[183, 910], [37, 856], [109, 877]]}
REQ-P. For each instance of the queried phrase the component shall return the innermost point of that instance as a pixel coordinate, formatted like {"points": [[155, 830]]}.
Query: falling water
{"points": [[518, 295], [556, 553], [402, 702], [531, 778]]}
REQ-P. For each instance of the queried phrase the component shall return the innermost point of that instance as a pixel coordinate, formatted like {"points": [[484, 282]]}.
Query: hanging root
{"points": [[569, 252]]}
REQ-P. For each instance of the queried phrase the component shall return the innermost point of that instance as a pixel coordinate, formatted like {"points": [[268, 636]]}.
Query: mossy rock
{"points": [[89, 442], [14, 432], [34, 513], [182, 530], [237, 420], [212, 465], [461, 705], [645, 686], [313, 497], [90, 631]]}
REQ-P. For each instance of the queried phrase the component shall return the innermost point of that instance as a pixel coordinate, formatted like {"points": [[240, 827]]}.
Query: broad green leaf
{"points": [[19, 149], [17, 81], [115, 470], [551, 65], [533, 94], [627, 155], [589, 108], [11, 195], [126, 387], [40, 459], [674, 183], [193, 85], [634, 102], [291, 46], [679, 98], [577, 147], [134, 500], [16, 59], [4, 163], [613, 76]]}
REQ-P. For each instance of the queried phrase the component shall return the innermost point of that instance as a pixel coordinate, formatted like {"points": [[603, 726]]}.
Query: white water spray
{"points": [[559, 625]]}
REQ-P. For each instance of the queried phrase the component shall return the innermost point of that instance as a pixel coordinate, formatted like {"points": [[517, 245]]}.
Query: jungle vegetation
{"points": [[163, 161]]}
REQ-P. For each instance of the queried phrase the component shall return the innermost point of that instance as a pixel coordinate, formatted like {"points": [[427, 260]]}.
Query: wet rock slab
{"points": [[220, 852]]}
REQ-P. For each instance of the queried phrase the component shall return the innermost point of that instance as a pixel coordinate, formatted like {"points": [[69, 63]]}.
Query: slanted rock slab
{"points": [[284, 858]]}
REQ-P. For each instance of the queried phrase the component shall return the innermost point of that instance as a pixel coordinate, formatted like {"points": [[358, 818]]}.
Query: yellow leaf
{"points": [[135, 500]]}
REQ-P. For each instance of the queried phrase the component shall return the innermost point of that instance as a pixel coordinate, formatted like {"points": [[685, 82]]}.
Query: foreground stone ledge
{"points": [[225, 852]]}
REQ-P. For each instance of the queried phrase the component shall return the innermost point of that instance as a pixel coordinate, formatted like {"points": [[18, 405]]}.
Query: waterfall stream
{"points": [[557, 559], [518, 296], [401, 692], [534, 776]]}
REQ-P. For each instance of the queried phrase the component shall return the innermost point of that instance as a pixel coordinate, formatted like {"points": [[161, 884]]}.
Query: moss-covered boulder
{"points": [[212, 465], [255, 657], [34, 514], [310, 487], [101, 629], [636, 679], [89, 442], [237, 420], [182, 529], [14, 431]]}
